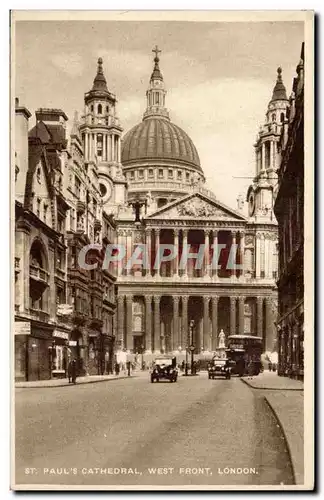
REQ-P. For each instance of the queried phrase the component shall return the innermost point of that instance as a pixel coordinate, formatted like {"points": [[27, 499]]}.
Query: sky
{"points": [[219, 79]]}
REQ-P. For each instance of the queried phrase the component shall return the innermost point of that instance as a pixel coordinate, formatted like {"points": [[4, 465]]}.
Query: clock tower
{"points": [[101, 138], [261, 193]]}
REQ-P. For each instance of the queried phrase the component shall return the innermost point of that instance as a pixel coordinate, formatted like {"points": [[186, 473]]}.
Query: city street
{"points": [[200, 431]]}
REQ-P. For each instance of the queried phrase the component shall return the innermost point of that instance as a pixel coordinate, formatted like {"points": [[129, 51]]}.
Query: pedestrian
{"points": [[74, 371], [250, 370], [270, 366], [117, 368], [69, 370]]}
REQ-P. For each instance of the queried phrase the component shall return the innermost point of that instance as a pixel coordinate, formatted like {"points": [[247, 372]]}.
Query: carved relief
{"points": [[199, 208], [249, 239]]}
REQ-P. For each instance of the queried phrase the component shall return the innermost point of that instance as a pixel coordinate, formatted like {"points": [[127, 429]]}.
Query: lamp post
{"points": [[192, 347]]}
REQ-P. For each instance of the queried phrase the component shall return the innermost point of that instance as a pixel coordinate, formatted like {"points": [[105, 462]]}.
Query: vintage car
{"points": [[164, 368], [219, 367]]}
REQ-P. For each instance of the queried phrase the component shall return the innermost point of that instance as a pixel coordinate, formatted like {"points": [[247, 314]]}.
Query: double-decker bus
{"points": [[242, 350]]}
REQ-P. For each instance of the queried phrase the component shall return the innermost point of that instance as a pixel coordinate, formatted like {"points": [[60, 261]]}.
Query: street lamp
{"points": [[192, 347]]}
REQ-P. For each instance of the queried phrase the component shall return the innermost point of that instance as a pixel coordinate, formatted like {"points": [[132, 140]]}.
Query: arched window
{"points": [[99, 109], [91, 107], [274, 117], [282, 117]]}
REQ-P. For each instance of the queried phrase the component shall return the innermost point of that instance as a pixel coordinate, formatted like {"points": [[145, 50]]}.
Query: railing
{"points": [[170, 185], [39, 314], [198, 279], [38, 273], [60, 273]]}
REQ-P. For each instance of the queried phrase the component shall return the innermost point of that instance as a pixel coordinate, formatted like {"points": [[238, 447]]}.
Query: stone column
{"points": [[86, 146], [148, 241], [214, 272], [129, 322], [205, 271], [157, 250], [269, 320], [258, 256], [214, 322], [176, 250], [263, 157], [241, 315], [119, 262], [232, 315], [157, 326], [120, 320], [104, 147], [118, 144], [176, 340], [241, 252], [206, 335], [184, 245], [95, 146], [185, 328], [148, 322], [129, 249], [259, 331], [233, 272], [113, 147], [271, 165]]}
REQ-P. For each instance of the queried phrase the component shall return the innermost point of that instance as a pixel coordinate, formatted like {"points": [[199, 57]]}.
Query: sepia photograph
{"points": [[162, 233]]}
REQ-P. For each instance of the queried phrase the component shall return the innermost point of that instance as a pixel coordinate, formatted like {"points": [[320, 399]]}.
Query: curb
{"points": [[292, 461], [269, 388], [72, 385]]}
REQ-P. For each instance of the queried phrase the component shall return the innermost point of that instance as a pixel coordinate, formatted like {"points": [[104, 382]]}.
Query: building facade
{"points": [[166, 186], [146, 188], [289, 209], [58, 210]]}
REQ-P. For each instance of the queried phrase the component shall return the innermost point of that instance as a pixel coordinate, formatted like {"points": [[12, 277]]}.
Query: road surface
{"points": [[131, 432]]}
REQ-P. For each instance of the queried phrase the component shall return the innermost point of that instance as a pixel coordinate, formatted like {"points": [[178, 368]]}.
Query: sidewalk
{"points": [[271, 381], [62, 382], [285, 397]]}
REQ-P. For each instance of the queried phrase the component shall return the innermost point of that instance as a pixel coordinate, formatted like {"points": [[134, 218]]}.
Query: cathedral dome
{"points": [[156, 138]]}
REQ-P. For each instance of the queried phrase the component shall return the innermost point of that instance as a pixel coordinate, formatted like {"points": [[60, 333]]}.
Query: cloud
{"points": [[71, 64]]}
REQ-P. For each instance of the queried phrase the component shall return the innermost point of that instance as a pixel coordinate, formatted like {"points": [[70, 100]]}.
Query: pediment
{"points": [[197, 206]]}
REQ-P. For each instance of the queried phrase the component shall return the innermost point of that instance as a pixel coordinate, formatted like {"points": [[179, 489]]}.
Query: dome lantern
{"points": [[155, 94]]}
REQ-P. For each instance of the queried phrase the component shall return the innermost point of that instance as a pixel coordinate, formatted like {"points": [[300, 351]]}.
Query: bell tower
{"points": [[101, 138], [260, 196]]}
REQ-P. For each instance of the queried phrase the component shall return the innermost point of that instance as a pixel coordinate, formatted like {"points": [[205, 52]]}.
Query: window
{"points": [[160, 173], [77, 187], [141, 174], [151, 173], [274, 117], [274, 274], [179, 175], [91, 107], [99, 109], [45, 213], [132, 175], [60, 224], [38, 175], [72, 219], [282, 117], [262, 274], [99, 144], [107, 109], [187, 176], [95, 207], [107, 120], [38, 207], [170, 174]]}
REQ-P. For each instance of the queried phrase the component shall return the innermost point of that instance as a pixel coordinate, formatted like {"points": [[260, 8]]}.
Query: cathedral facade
{"points": [[160, 201], [143, 189]]}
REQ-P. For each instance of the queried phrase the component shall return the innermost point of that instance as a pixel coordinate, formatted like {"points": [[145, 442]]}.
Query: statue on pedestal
{"points": [[221, 343]]}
